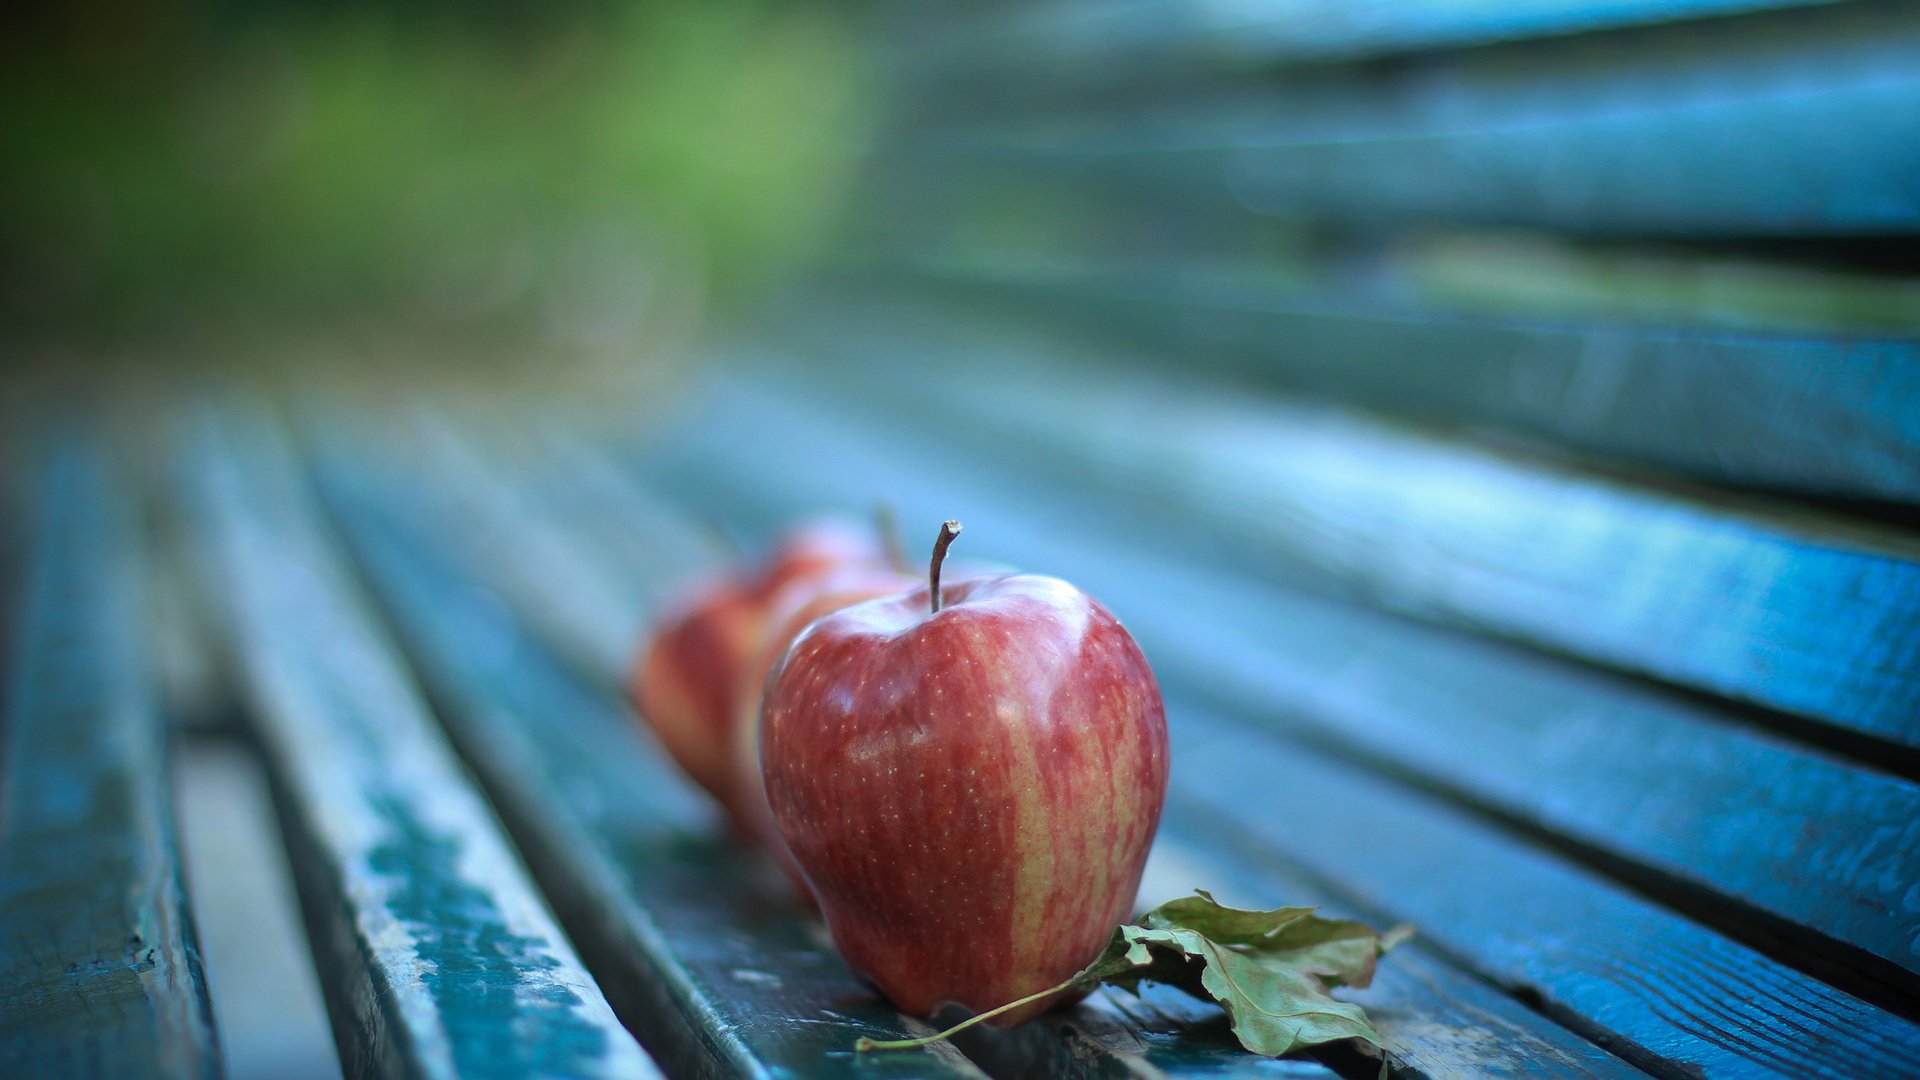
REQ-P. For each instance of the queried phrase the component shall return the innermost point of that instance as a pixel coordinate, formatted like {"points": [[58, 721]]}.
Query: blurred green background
{"points": [[536, 188]]}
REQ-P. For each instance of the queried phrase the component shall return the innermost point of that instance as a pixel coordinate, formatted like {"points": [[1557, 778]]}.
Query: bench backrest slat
{"points": [[1783, 124], [1781, 407]]}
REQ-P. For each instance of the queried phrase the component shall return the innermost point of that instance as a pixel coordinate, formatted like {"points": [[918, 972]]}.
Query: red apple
{"points": [[969, 784], [687, 681], [798, 604]]}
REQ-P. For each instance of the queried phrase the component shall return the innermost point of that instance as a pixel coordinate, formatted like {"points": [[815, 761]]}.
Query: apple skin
{"points": [[970, 794], [687, 681], [798, 604]]}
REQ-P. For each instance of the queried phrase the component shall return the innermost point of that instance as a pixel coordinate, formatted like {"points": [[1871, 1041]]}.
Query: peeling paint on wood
{"points": [[694, 938], [439, 957], [98, 961]]}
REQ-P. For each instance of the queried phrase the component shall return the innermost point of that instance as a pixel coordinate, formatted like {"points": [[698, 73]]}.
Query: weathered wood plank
{"points": [[1164, 1034], [586, 493], [1792, 610], [439, 958], [581, 595], [581, 551], [694, 935], [13, 540], [1688, 797], [1426, 1009], [1436, 1019], [1660, 136], [1831, 416], [1051, 530], [747, 975], [1649, 776], [98, 959], [1661, 991]]}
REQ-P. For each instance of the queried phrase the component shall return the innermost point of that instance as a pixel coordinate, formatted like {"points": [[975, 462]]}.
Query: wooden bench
{"points": [[1556, 592]]}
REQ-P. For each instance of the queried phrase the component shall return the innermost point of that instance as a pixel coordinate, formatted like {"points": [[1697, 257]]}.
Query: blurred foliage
{"points": [[463, 180]]}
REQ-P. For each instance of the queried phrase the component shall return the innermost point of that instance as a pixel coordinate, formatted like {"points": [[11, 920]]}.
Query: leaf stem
{"points": [[948, 530], [864, 1044]]}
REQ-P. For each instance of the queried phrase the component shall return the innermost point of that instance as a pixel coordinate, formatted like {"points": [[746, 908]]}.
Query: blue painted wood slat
{"points": [[100, 975], [1732, 132], [1832, 415], [438, 957], [1791, 610], [1673, 994], [731, 447], [1436, 1018], [1652, 777], [1426, 1011], [694, 937]]}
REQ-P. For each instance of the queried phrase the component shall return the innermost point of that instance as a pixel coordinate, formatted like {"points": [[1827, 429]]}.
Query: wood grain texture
{"points": [[1675, 133], [1437, 1021], [1792, 610], [14, 528], [605, 556], [794, 1033], [582, 595], [1039, 524], [438, 957], [1831, 416], [98, 957], [1664, 992], [1655, 778], [720, 972]]}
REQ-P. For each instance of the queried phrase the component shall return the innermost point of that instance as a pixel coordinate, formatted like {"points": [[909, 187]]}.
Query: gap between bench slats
{"points": [[1594, 956], [1645, 135], [438, 957], [1835, 416], [720, 453], [1797, 611], [1642, 773], [1435, 1020], [704, 926]]}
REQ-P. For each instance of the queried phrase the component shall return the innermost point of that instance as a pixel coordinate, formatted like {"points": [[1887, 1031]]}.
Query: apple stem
{"points": [[864, 1044], [948, 530]]}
